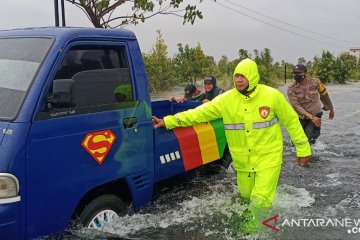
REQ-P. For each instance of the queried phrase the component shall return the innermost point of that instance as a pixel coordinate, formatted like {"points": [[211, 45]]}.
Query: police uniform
{"points": [[253, 132], [308, 101]]}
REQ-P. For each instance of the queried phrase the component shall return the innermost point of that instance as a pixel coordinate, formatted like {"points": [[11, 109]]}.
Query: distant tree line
{"points": [[191, 64]]}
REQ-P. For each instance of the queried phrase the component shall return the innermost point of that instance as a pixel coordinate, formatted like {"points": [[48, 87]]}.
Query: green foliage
{"points": [[191, 64], [243, 53], [324, 66], [266, 66], [191, 14], [266, 70], [223, 65], [223, 72], [101, 5], [328, 68], [159, 66], [302, 61], [343, 67], [102, 13], [355, 74]]}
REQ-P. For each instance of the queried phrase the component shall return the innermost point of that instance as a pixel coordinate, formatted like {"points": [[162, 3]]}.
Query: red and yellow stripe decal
{"points": [[201, 144]]}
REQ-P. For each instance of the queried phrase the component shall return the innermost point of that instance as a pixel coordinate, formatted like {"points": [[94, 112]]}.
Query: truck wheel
{"points": [[227, 161], [102, 210]]}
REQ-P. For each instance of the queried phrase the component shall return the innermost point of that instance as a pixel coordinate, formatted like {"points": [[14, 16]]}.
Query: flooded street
{"points": [[324, 199]]}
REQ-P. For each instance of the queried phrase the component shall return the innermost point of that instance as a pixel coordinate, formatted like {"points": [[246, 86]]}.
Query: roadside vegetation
{"points": [[191, 64]]}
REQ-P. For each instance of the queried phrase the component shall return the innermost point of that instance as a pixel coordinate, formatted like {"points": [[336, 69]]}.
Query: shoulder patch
{"points": [[322, 88]]}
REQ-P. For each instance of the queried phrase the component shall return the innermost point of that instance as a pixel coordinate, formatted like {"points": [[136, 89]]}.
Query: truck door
{"points": [[91, 130]]}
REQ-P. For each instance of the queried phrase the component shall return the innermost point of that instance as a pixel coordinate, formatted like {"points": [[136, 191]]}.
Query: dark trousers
{"points": [[311, 130]]}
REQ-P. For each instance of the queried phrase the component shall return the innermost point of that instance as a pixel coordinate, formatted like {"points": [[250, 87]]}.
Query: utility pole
{"points": [[63, 12], [56, 8]]}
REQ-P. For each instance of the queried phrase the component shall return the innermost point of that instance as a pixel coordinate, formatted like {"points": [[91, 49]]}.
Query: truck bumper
{"points": [[9, 220]]}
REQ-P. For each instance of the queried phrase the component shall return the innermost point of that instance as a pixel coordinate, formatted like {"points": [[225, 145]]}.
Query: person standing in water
{"points": [[251, 114], [309, 98]]}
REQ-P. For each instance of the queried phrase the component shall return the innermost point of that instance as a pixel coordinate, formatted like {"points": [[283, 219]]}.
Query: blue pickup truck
{"points": [[76, 137]]}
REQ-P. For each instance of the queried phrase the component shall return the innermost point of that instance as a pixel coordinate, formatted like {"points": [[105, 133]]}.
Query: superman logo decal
{"points": [[98, 144], [264, 112]]}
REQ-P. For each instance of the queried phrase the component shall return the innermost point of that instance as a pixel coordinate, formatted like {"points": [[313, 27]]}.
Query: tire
{"points": [[101, 210], [227, 161]]}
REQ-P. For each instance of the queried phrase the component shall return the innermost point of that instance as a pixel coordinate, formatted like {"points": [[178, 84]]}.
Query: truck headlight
{"points": [[9, 186]]}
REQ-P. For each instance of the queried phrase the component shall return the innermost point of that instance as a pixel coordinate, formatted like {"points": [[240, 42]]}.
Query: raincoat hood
{"points": [[249, 69]]}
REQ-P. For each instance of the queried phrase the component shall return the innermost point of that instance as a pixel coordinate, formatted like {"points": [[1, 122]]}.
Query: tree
{"points": [[243, 53], [265, 66], [223, 66], [105, 13], [324, 66], [159, 66], [192, 63], [202, 63], [302, 61], [309, 66], [257, 58], [343, 67]]}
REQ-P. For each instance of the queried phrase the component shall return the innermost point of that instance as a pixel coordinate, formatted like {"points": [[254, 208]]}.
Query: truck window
{"points": [[20, 59], [91, 76]]}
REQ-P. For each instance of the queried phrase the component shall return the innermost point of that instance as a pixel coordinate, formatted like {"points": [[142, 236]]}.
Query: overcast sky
{"points": [[290, 29]]}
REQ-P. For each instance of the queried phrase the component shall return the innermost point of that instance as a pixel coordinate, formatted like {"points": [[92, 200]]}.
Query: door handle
{"points": [[129, 122]]}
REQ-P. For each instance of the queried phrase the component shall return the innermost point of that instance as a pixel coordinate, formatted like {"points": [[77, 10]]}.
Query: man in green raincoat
{"points": [[252, 114]]}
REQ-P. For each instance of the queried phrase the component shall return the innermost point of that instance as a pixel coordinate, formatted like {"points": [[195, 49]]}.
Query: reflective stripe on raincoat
{"points": [[251, 122]]}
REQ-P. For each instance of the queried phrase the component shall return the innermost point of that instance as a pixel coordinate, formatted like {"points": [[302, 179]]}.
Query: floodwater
{"points": [[318, 202]]}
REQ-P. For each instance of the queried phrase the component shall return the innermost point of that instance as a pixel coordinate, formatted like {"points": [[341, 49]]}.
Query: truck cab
{"points": [[76, 135]]}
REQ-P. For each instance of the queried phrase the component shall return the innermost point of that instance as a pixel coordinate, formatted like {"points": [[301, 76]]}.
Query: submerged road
{"points": [[318, 202]]}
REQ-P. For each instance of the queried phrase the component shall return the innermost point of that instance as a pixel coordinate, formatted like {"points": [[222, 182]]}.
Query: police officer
{"points": [[251, 113], [308, 97]]}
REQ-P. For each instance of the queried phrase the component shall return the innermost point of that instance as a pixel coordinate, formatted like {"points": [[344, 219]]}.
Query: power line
{"points": [[294, 26], [281, 28]]}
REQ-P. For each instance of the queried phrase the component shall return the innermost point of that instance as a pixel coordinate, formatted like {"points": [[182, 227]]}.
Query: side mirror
{"points": [[62, 96]]}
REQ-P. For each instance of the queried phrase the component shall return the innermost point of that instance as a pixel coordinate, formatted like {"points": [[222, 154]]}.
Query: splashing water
{"points": [[208, 206]]}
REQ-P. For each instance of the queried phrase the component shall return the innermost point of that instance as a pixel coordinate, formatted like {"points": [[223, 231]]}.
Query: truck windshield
{"points": [[20, 59]]}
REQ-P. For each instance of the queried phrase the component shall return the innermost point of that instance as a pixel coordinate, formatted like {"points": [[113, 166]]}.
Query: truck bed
{"points": [[185, 148]]}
